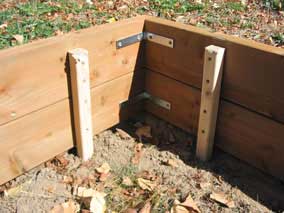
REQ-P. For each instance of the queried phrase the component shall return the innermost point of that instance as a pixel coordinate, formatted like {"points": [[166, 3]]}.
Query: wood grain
{"points": [[81, 102], [253, 72], [49, 129], [248, 136], [185, 101], [210, 97], [36, 73]]}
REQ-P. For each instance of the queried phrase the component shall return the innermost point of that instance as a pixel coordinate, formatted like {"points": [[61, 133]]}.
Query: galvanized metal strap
{"points": [[168, 42]]}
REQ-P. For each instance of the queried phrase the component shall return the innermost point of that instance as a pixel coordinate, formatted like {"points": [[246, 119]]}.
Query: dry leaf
{"points": [[19, 38], [127, 181], [177, 208], [144, 131], [67, 179], [223, 199], [122, 134], [13, 191], [103, 177], [146, 184], [67, 207], [105, 168], [98, 203], [130, 210], [3, 26], [146, 208], [190, 205], [85, 192]]}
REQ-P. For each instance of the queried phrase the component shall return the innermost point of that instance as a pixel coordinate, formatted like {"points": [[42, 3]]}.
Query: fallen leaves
{"points": [[98, 203], [85, 192], [223, 199], [146, 184], [146, 208], [93, 199], [67, 207], [188, 206], [3, 26], [13, 191], [103, 169], [127, 181]]}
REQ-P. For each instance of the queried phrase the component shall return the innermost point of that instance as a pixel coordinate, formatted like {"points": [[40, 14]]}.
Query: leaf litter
{"points": [[163, 179]]}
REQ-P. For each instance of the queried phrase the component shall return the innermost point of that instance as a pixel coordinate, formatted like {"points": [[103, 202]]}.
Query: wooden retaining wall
{"points": [[35, 113], [250, 123], [35, 107]]}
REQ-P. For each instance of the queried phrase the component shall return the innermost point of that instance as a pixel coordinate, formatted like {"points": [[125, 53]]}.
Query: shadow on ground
{"points": [[257, 185]]}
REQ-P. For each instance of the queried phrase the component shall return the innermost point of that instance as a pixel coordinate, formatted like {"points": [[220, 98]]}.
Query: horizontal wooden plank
{"points": [[253, 72], [49, 129], [185, 101], [248, 136], [36, 73]]}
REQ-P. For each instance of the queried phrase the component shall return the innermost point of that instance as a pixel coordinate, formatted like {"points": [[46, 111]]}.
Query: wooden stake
{"points": [[210, 95], [81, 99]]}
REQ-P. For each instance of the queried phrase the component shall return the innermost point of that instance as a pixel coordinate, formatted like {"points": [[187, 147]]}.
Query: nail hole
{"points": [[207, 81], [170, 42], [204, 111], [203, 131], [150, 37], [209, 58]]}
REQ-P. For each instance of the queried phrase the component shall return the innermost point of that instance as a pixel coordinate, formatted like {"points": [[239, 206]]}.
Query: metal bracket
{"points": [[168, 42], [146, 96]]}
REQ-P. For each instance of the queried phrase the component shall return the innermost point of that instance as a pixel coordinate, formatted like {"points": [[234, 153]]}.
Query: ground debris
{"points": [[67, 207], [122, 134], [144, 131], [146, 184], [103, 169], [146, 208], [138, 152], [188, 206], [127, 181], [19, 38], [223, 199]]}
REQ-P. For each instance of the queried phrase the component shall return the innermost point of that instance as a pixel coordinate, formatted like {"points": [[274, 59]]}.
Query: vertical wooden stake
{"points": [[210, 95], [81, 99]]}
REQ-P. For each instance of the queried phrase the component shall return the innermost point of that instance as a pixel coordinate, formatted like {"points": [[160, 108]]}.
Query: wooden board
{"points": [[36, 73], [253, 72], [185, 101], [49, 129], [246, 135]]}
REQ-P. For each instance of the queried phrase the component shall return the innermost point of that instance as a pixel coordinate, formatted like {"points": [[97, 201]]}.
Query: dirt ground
{"points": [[155, 167]]}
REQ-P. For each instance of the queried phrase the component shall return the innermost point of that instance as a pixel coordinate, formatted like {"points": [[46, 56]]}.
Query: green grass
{"points": [[163, 7], [37, 19]]}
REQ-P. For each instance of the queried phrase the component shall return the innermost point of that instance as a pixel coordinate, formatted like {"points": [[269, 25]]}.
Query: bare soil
{"points": [[167, 159]]}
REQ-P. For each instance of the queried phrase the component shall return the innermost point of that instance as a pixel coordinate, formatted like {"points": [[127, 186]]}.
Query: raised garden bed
{"points": [[36, 107]]}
